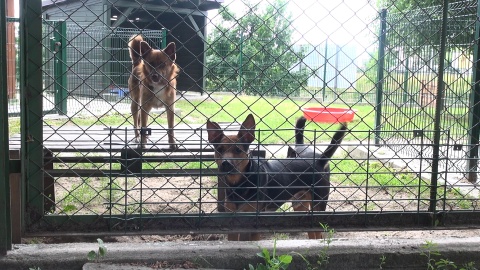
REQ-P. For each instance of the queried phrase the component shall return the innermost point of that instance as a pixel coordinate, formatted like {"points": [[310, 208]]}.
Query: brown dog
{"points": [[152, 84], [251, 184]]}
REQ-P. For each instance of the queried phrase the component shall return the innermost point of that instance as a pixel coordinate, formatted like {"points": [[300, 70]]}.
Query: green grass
{"points": [[92, 193], [270, 114], [353, 172]]}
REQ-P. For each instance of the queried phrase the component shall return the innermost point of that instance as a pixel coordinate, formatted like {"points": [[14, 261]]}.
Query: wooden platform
{"points": [[71, 138]]}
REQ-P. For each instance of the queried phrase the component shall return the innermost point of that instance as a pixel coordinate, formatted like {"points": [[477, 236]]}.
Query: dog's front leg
{"points": [[248, 207], [171, 122], [221, 190], [134, 107], [143, 123], [231, 207]]}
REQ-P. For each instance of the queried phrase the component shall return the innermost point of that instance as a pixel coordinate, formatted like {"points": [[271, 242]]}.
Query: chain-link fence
{"points": [[403, 70]]}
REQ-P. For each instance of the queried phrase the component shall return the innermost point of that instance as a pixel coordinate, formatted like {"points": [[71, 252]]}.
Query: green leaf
{"points": [[286, 259], [92, 255], [102, 251], [262, 267], [100, 242], [266, 255]]}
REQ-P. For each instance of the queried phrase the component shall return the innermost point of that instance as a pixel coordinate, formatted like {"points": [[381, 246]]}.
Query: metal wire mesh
{"points": [[403, 164]]}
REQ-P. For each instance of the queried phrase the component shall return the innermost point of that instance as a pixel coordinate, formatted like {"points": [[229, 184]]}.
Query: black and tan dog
{"points": [[152, 84], [250, 184]]}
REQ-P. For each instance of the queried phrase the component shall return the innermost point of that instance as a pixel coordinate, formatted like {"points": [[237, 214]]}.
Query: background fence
{"points": [[408, 72]]}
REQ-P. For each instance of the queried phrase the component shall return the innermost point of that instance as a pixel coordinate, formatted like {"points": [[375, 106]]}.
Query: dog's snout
{"points": [[155, 77], [226, 166]]}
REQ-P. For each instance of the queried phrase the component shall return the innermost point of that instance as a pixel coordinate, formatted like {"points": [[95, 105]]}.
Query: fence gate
{"points": [[402, 165], [428, 80]]}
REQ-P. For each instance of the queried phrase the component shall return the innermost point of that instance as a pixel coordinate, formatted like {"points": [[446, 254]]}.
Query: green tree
{"points": [[253, 52], [405, 5]]}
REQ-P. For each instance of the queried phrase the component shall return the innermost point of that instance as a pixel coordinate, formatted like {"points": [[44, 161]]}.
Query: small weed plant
{"points": [[99, 254], [430, 251], [323, 257], [383, 260], [272, 262]]}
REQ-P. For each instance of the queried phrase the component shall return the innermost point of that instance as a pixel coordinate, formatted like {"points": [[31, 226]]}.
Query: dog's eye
{"points": [[238, 150]]}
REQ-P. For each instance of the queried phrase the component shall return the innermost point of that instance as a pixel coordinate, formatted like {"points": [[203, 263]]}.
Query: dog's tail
{"points": [[299, 127], [299, 139], [134, 48], [336, 141]]}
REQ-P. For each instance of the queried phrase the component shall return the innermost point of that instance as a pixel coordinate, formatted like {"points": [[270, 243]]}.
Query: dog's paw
{"points": [[173, 146]]}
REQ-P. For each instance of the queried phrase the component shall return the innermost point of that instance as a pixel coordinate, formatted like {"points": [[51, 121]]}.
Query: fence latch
{"points": [[55, 45], [417, 133], [146, 131]]}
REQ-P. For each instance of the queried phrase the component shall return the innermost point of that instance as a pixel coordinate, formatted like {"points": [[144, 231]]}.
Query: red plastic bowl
{"points": [[328, 115]]}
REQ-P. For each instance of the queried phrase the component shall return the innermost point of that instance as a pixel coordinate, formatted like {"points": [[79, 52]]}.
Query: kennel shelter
{"points": [[183, 21]]}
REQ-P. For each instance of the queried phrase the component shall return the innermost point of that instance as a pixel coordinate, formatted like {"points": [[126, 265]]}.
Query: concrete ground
{"points": [[358, 253]]}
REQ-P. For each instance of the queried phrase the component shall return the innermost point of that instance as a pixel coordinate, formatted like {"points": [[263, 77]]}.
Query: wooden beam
{"points": [[153, 7], [123, 17], [195, 26]]}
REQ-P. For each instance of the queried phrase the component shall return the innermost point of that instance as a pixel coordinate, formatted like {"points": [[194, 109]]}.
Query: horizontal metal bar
{"points": [[283, 222], [121, 173], [106, 159]]}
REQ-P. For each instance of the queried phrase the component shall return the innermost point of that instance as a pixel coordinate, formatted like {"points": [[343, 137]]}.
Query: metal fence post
{"points": [[380, 78], [31, 95], [438, 113], [405, 81], [474, 111], [325, 71], [240, 66], [5, 223], [164, 38], [60, 66]]}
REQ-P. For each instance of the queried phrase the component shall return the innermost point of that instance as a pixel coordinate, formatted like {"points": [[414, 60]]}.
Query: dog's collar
{"points": [[250, 177], [244, 190]]}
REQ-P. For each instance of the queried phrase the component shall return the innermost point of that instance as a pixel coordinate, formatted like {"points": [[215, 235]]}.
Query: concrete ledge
{"points": [[344, 253]]}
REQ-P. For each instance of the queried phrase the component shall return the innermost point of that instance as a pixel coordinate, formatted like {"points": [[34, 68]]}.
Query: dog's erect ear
{"points": [[247, 130], [144, 48], [215, 133], [291, 153], [170, 50]]}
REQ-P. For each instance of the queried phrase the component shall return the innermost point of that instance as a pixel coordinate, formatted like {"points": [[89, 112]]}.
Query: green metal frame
{"points": [[438, 113], [31, 97], [324, 87], [380, 74], [5, 222], [474, 112], [59, 47], [240, 66], [32, 136]]}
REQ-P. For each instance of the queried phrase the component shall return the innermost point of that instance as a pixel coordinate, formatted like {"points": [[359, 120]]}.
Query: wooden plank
{"points": [[16, 200]]}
